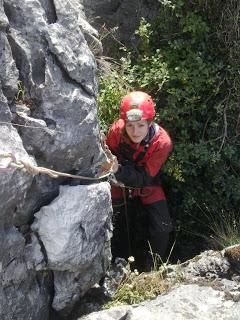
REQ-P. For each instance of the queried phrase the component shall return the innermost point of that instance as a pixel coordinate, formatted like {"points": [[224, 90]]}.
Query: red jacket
{"points": [[140, 164]]}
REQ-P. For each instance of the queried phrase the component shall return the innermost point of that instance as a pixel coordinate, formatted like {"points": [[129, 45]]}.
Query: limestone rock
{"points": [[209, 264], [24, 292], [13, 183], [119, 19], [48, 118], [182, 302], [8, 70], [3, 18], [75, 231], [59, 80]]}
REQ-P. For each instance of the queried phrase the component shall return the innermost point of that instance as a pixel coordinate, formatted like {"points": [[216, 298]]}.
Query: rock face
{"points": [[48, 118], [119, 19], [184, 302], [24, 292]]}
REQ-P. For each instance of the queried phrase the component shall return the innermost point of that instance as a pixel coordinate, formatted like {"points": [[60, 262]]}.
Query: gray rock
{"points": [[58, 76], [33, 254], [70, 138], [60, 127], [69, 287], [118, 19], [43, 189], [8, 70], [74, 56], [5, 114], [75, 226], [182, 302], [76, 15], [24, 294], [14, 183], [3, 18], [211, 268], [75, 230], [48, 118], [117, 273], [210, 264]]}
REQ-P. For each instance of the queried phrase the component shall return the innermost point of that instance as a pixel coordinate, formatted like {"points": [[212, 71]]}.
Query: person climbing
{"points": [[141, 218]]}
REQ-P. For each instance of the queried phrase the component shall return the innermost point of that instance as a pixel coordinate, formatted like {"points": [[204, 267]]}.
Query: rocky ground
{"points": [[205, 287]]}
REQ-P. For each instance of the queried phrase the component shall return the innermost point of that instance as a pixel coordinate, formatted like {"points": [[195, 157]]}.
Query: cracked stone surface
{"points": [[48, 118]]}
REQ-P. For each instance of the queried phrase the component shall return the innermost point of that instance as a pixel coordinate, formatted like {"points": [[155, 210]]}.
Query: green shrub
{"points": [[112, 88], [188, 59]]}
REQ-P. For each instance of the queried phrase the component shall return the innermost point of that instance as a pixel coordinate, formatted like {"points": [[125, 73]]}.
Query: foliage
{"points": [[20, 97], [222, 227], [136, 287], [188, 59], [112, 88]]}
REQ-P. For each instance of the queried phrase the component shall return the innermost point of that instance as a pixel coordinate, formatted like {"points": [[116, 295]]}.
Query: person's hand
{"points": [[106, 166], [115, 164], [111, 164]]}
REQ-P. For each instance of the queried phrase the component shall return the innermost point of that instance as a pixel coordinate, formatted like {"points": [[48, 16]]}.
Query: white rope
{"points": [[30, 168]]}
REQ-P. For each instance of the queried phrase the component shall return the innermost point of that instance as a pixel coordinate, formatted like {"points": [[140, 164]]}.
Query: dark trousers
{"points": [[141, 231]]}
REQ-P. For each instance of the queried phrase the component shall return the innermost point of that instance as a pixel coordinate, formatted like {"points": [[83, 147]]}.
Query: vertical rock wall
{"points": [[48, 118], [117, 20]]}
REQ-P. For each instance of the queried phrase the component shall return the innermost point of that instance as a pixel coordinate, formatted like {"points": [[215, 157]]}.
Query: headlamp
{"points": [[134, 115]]}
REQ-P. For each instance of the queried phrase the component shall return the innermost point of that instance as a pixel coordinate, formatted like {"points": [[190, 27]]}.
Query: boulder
{"points": [[75, 230]]}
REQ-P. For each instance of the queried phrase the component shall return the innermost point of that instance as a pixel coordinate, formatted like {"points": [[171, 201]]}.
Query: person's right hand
{"points": [[115, 164], [110, 165]]}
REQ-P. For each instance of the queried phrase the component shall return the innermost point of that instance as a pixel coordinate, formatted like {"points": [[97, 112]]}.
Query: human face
{"points": [[137, 130]]}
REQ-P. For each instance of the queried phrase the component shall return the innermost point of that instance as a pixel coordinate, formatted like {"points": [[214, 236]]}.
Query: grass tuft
{"points": [[139, 287]]}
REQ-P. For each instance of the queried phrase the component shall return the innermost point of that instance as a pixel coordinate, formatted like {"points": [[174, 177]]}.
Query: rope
{"points": [[26, 126], [30, 168]]}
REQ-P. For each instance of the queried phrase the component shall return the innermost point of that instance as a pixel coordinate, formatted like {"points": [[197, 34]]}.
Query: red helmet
{"points": [[137, 105]]}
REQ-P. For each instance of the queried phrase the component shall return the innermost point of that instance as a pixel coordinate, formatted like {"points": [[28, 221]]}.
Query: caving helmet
{"points": [[137, 105]]}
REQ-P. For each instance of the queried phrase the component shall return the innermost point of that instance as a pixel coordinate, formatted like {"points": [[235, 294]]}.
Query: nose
{"points": [[134, 130]]}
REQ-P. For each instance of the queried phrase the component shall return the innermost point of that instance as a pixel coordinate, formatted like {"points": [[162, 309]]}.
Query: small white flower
{"points": [[131, 259], [136, 272]]}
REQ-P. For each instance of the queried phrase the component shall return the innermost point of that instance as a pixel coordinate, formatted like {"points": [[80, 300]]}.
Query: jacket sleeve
{"points": [[134, 176], [148, 174]]}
